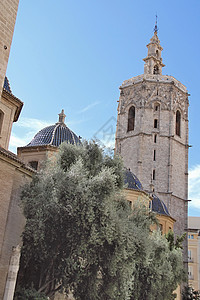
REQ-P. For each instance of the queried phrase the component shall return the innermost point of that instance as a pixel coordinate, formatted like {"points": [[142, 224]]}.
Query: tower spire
{"points": [[156, 25], [153, 61]]}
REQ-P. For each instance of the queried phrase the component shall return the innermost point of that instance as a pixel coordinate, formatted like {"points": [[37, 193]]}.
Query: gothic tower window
{"points": [[157, 53], [131, 118], [1, 120], [154, 155], [156, 107], [155, 138], [154, 175], [155, 70], [155, 123], [178, 123]]}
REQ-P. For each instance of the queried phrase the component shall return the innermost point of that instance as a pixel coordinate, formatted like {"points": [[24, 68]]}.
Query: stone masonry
{"points": [[8, 13], [154, 152]]}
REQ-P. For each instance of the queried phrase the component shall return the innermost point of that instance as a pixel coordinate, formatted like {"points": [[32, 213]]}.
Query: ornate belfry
{"points": [[152, 134]]}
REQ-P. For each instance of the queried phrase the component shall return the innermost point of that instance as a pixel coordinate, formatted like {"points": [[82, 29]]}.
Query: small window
{"points": [[189, 236], [131, 118], [1, 120], [154, 174], [157, 53], [178, 123], [155, 70], [155, 123], [192, 236], [156, 107], [161, 228], [155, 138], [190, 272], [154, 155], [33, 164]]}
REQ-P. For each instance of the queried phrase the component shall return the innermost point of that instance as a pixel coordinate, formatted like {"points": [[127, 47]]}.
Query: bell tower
{"points": [[152, 134], [153, 61]]}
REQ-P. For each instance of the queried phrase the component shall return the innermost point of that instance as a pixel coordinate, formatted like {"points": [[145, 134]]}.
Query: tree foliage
{"points": [[190, 294], [81, 234], [28, 294]]}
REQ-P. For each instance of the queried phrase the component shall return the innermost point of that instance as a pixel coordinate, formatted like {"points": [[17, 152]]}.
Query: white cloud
{"points": [[194, 186], [34, 124], [88, 107], [26, 130], [16, 141]]}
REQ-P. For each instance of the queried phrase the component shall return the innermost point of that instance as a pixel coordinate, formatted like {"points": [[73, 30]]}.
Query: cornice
{"points": [[154, 78], [14, 101], [37, 148], [12, 159]]}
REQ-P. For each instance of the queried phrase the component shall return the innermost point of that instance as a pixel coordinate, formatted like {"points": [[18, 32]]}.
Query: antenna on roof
{"points": [[156, 26]]}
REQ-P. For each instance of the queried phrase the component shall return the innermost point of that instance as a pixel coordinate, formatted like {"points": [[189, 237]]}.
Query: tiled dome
{"points": [[132, 181], [159, 206], [55, 134]]}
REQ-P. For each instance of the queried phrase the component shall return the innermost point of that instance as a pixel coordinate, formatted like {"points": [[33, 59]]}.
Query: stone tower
{"points": [[8, 13], [152, 134]]}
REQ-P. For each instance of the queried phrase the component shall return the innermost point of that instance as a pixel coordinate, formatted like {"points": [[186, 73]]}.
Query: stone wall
{"points": [[8, 13], [168, 156], [13, 176]]}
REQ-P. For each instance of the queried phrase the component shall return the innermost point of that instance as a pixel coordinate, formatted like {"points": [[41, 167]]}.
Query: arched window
{"points": [[155, 70], [1, 120], [131, 118], [178, 123], [157, 53]]}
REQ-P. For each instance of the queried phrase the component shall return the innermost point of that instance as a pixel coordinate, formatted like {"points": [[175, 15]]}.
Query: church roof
{"points": [[159, 206], [55, 134], [132, 181]]}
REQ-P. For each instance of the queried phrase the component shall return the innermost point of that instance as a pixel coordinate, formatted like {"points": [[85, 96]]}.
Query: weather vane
{"points": [[156, 26]]}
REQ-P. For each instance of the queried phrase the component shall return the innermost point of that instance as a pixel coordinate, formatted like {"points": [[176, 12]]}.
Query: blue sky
{"points": [[75, 54]]}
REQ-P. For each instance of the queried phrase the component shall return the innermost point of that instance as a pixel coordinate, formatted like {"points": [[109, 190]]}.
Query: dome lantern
{"points": [[62, 117]]}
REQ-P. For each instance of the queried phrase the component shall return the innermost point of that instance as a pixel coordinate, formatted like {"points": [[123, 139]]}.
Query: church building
{"points": [[151, 137]]}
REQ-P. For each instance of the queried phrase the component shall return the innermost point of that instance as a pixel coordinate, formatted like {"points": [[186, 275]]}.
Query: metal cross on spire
{"points": [[156, 26]]}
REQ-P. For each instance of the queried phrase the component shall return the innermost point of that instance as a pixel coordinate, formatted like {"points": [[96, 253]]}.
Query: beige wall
{"points": [[137, 197], [10, 108], [12, 177], [8, 13], [36, 153], [193, 259], [140, 197]]}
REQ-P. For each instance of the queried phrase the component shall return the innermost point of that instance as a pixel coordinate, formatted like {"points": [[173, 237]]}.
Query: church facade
{"points": [[152, 134]]}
